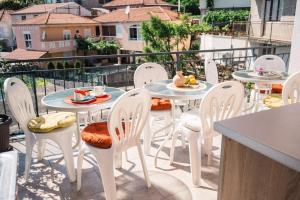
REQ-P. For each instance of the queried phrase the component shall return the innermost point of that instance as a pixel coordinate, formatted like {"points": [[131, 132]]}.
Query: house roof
{"points": [[117, 3], [40, 8], [138, 15], [56, 19], [22, 54]]}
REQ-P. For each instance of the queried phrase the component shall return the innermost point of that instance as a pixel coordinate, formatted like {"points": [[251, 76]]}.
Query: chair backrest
{"points": [[291, 89], [149, 72], [128, 117], [19, 101], [211, 71], [223, 101], [270, 63]]}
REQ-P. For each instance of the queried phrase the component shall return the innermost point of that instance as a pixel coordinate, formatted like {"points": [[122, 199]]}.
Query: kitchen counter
{"points": [[260, 156]]}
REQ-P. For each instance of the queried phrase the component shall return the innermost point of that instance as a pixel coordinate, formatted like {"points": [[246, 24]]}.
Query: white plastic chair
{"points": [[211, 71], [21, 106], [144, 74], [269, 63], [223, 101], [129, 121], [291, 89]]}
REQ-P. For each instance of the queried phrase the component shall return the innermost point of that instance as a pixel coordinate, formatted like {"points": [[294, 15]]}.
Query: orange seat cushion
{"points": [[277, 88], [97, 135], [160, 104]]}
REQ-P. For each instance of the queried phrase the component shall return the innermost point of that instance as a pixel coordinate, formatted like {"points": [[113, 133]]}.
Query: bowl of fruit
{"points": [[191, 84]]}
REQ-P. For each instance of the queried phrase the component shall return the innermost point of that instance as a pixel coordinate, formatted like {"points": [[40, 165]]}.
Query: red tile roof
{"points": [[117, 3], [56, 19], [40, 8], [138, 15], [22, 54]]}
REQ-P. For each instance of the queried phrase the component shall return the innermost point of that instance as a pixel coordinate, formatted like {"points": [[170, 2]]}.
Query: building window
{"points": [[98, 31], [23, 17], [109, 30], [27, 39], [135, 32], [35, 15], [67, 34]]}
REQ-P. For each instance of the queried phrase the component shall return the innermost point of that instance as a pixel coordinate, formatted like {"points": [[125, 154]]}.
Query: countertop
{"points": [[274, 133]]}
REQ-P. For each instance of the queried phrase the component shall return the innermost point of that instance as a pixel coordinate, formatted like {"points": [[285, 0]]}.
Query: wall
{"points": [[56, 33], [35, 36], [294, 65], [231, 3], [210, 42]]}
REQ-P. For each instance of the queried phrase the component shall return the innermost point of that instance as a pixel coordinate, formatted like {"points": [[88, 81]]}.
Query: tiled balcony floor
{"points": [[48, 179]]}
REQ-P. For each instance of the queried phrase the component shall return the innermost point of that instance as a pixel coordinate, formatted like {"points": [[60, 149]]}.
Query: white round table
{"points": [[56, 102], [249, 76], [160, 89]]}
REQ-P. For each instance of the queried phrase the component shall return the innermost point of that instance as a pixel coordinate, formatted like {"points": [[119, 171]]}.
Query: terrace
{"points": [[48, 178]]}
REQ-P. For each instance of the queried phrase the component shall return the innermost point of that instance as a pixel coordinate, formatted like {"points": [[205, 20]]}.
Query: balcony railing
{"points": [[58, 45], [277, 31], [90, 71]]}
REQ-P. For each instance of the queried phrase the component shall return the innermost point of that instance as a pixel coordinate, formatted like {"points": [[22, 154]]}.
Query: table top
{"points": [[273, 133], [159, 89], [245, 76], [56, 101]]}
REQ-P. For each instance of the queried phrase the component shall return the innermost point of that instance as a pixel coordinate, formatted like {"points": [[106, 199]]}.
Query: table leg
{"points": [[168, 136]]}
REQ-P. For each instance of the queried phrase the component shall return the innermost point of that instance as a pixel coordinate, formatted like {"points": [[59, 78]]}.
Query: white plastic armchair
{"points": [[21, 106], [223, 101], [129, 121], [291, 89], [211, 71], [270, 63], [144, 74]]}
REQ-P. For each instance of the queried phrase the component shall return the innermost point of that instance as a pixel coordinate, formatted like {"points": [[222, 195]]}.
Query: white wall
{"points": [[294, 65], [231, 3], [210, 42]]}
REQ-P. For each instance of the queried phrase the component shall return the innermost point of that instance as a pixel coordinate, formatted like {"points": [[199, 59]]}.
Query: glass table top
{"points": [[250, 76], [56, 101], [160, 89]]}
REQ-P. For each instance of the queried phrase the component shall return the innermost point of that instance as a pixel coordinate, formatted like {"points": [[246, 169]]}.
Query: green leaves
{"points": [[102, 46], [224, 17], [187, 6]]}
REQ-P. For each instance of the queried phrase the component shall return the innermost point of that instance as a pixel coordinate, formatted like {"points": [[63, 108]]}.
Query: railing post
{"points": [[35, 92], [177, 61]]}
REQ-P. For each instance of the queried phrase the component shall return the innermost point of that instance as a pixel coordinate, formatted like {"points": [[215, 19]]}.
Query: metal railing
{"points": [[277, 31], [93, 70]]}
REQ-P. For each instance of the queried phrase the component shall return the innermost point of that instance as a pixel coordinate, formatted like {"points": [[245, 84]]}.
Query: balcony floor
{"points": [[48, 179]]}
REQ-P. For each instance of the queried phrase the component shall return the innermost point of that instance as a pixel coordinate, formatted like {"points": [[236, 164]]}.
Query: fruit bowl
{"points": [[187, 87]]}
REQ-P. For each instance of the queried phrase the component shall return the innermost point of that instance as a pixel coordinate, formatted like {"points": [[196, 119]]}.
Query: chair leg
{"points": [[141, 155], [105, 161], [208, 148], [41, 149], [79, 166], [172, 151], [147, 137], [65, 143], [28, 158], [118, 160], [195, 158], [183, 141]]}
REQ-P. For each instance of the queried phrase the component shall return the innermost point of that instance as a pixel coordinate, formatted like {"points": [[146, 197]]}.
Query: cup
{"points": [[98, 90], [78, 96]]}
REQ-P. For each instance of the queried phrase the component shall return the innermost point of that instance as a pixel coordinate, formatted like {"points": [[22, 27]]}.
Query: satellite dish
{"points": [[127, 10]]}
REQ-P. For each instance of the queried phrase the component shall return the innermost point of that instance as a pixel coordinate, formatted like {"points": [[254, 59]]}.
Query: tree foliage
{"points": [[102, 46], [187, 6], [18, 4], [224, 17]]}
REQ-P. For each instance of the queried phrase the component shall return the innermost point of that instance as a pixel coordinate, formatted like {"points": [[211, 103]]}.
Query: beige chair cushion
{"points": [[49, 122], [273, 101]]}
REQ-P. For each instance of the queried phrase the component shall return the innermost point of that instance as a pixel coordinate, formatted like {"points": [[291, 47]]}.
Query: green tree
{"points": [[187, 6], [18, 4], [164, 36], [51, 65]]}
